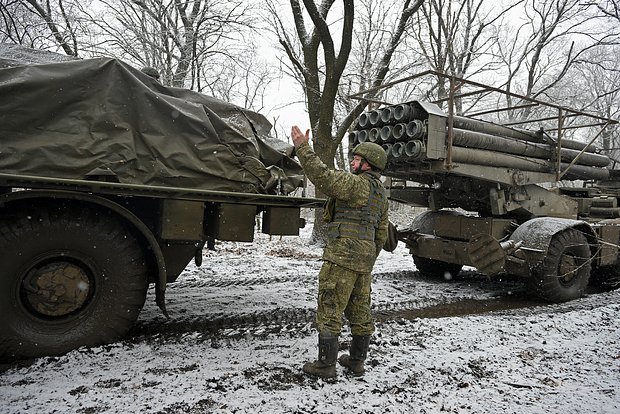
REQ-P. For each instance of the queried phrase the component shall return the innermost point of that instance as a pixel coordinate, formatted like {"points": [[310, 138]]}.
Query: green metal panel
{"points": [[464, 227], [181, 220], [449, 251], [231, 222], [609, 233], [282, 221], [436, 147]]}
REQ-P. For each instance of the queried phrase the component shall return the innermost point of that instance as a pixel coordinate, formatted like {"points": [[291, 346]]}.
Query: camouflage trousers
{"points": [[343, 291]]}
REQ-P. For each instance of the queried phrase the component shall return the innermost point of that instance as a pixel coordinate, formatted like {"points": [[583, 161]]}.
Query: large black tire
{"points": [[435, 268], [72, 276], [565, 271]]}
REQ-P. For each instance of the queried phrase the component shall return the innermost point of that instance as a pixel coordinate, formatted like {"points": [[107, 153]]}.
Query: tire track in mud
{"points": [[268, 280], [287, 278], [291, 319], [280, 319], [214, 324], [239, 282], [409, 275]]}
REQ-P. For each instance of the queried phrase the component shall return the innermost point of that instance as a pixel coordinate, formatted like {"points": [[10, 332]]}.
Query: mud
{"points": [[287, 321], [460, 308]]}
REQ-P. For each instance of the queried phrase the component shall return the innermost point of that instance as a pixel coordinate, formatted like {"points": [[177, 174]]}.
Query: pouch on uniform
{"points": [[329, 209], [392, 238]]}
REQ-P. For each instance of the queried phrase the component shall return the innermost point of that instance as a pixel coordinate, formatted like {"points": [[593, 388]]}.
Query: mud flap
{"points": [[160, 299], [198, 253], [489, 255], [161, 281], [486, 254]]}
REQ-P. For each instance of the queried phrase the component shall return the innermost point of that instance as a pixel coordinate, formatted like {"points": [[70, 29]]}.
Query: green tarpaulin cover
{"points": [[101, 118]]}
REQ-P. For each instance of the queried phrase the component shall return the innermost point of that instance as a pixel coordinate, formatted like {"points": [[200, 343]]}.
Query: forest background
{"points": [[300, 61]]}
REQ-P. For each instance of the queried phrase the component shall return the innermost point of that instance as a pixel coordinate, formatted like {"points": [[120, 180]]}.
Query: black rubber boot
{"points": [[358, 352], [325, 366]]}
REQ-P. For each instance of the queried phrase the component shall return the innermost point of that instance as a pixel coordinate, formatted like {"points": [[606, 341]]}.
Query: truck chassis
{"points": [[78, 255]]}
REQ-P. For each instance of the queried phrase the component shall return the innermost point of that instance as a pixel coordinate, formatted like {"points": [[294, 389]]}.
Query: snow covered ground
{"points": [[241, 328]]}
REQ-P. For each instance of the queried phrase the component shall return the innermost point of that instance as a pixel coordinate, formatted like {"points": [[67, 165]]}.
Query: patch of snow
{"points": [[544, 359]]}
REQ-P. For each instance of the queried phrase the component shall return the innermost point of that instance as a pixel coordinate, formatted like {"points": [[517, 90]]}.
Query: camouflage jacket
{"points": [[353, 190]]}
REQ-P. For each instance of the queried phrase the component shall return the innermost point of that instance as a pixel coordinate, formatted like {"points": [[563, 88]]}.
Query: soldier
{"points": [[357, 217]]}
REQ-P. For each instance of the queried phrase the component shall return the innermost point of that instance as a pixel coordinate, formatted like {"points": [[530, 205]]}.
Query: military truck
{"points": [[110, 181], [78, 256], [515, 197]]}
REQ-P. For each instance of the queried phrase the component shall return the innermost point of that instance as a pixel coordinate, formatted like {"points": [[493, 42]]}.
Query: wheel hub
{"points": [[568, 268], [57, 289]]}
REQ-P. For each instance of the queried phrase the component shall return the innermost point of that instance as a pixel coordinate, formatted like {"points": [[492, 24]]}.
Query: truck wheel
{"points": [[565, 271], [432, 268], [72, 276]]}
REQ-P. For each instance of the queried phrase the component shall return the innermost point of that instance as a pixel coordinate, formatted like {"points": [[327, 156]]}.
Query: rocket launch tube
{"points": [[374, 135], [477, 125], [472, 139], [386, 115], [498, 159], [398, 149]]}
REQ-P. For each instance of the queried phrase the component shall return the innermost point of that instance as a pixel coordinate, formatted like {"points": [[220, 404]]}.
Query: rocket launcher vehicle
{"points": [[420, 143]]}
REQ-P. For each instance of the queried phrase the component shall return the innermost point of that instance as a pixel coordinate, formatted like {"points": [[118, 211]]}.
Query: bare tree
{"points": [[44, 25], [458, 37], [556, 35], [609, 8], [205, 45], [180, 38], [594, 87], [242, 80], [321, 75], [372, 39]]}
